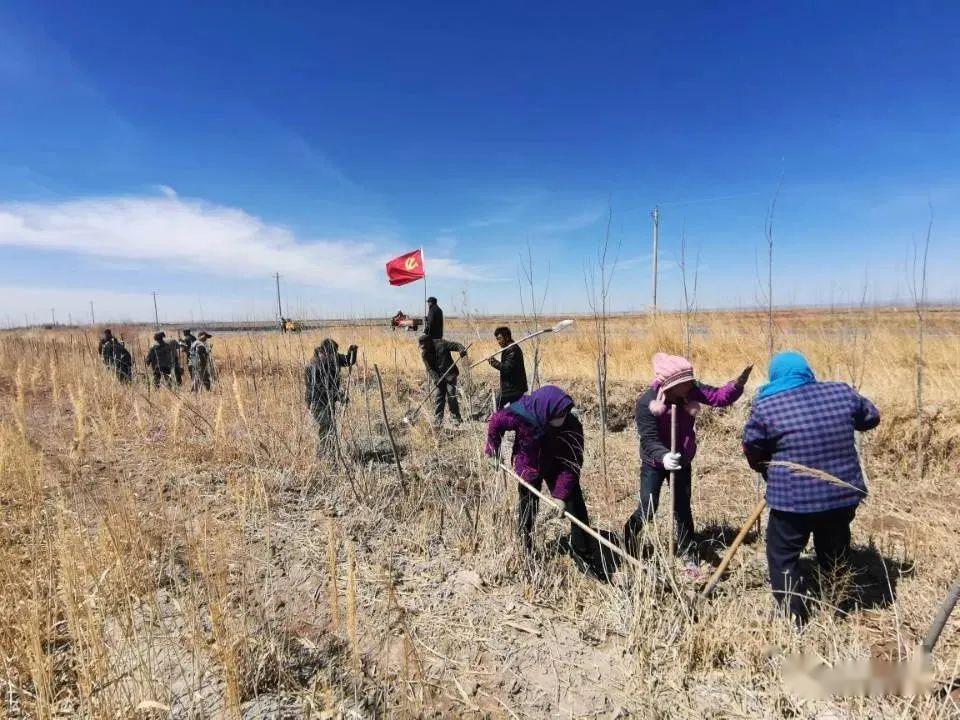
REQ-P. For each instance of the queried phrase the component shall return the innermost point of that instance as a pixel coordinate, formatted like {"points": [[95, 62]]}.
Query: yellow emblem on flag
{"points": [[410, 263]]}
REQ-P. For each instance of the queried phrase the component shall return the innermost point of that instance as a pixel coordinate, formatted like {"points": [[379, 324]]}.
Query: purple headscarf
{"points": [[541, 406]]}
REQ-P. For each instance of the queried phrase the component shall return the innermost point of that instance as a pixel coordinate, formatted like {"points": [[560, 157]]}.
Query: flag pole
{"points": [[423, 265]]}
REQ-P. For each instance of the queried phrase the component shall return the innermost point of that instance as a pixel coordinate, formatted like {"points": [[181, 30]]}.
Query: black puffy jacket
{"points": [[433, 323], [513, 374], [437, 358]]}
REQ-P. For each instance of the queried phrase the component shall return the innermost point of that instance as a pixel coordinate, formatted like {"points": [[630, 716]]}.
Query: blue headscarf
{"points": [[541, 406], [788, 371]]}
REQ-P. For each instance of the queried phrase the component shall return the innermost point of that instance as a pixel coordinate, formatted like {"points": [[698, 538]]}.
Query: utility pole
{"points": [[156, 315], [93, 320], [656, 251], [53, 315], [279, 308]]}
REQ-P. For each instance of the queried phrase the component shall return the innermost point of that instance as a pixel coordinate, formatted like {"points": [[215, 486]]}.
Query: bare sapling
{"points": [[917, 282], [689, 294], [766, 291], [767, 299], [386, 425], [366, 396], [598, 279], [531, 308]]}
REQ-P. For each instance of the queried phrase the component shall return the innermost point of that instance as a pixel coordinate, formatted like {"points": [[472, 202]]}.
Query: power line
{"points": [[279, 308]]}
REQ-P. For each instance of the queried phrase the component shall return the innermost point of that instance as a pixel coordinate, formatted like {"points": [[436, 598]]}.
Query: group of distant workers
{"points": [[166, 359], [322, 375]]}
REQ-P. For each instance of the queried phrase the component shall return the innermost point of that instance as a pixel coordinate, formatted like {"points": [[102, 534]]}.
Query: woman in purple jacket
{"points": [[547, 447], [673, 384]]}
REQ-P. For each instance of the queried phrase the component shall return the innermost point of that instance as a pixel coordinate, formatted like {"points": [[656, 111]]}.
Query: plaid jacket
{"points": [[812, 426]]}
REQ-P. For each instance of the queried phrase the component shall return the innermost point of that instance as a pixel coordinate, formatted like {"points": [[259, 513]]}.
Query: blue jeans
{"points": [[651, 482]]}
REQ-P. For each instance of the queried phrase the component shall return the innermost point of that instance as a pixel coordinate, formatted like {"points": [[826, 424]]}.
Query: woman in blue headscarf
{"points": [[788, 371], [800, 437], [547, 447]]}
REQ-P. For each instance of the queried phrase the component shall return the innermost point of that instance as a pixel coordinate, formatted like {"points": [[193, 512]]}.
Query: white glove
{"points": [[561, 507], [671, 461]]}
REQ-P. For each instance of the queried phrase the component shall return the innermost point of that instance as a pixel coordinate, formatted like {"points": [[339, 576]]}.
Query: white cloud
{"points": [[202, 236]]}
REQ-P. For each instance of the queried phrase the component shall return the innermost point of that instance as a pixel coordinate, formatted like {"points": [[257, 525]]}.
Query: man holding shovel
{"points": [[800, 437], [513, 374], [665, 415], [442, 371]]}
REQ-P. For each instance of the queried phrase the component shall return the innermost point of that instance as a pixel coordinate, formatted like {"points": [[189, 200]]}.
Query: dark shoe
{"points": [[589, 568]]}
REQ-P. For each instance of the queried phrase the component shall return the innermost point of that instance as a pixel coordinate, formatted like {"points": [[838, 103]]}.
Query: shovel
{"points": [[940, 621], [559, 327]]}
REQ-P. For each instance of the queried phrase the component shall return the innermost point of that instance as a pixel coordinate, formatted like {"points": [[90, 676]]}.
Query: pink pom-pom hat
{"points": [[670, 371]]}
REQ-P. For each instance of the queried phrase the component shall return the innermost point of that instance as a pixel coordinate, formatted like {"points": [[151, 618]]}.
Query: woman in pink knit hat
{"points": [[673, 384]]}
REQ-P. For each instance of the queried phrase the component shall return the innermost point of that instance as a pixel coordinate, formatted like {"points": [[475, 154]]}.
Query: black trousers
{"points": [[164, 374], [580, 543], [651, 483], [445, 394], [504, 399], [787, 536]]}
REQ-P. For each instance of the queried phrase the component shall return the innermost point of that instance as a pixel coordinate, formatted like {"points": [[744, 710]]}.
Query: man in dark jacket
{"points": [[513, 374], [115, 356], [433, 323], [200, 362], [443, 373], [322, 385], [186, 341], [162, 359]]}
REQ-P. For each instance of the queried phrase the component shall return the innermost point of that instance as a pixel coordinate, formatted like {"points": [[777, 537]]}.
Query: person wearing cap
{"points": [[115, 356], [674, 385], [442, 371], [322, 386], [187, 339], [433, 322], [201, 362], [800, 433], [162, 359]]}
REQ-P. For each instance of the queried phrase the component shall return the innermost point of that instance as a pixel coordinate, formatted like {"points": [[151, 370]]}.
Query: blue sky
{"points": [[197, 148]]}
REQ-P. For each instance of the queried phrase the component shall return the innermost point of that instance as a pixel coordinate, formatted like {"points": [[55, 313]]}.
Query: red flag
{"points": [[406, 268]]}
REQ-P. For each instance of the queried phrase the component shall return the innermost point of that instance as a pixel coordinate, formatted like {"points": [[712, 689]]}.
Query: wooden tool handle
{"points": [[583, 526], [732, 550]]}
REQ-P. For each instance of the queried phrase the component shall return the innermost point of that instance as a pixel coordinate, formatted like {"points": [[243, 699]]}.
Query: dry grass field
{"points": [[171, 555]]}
